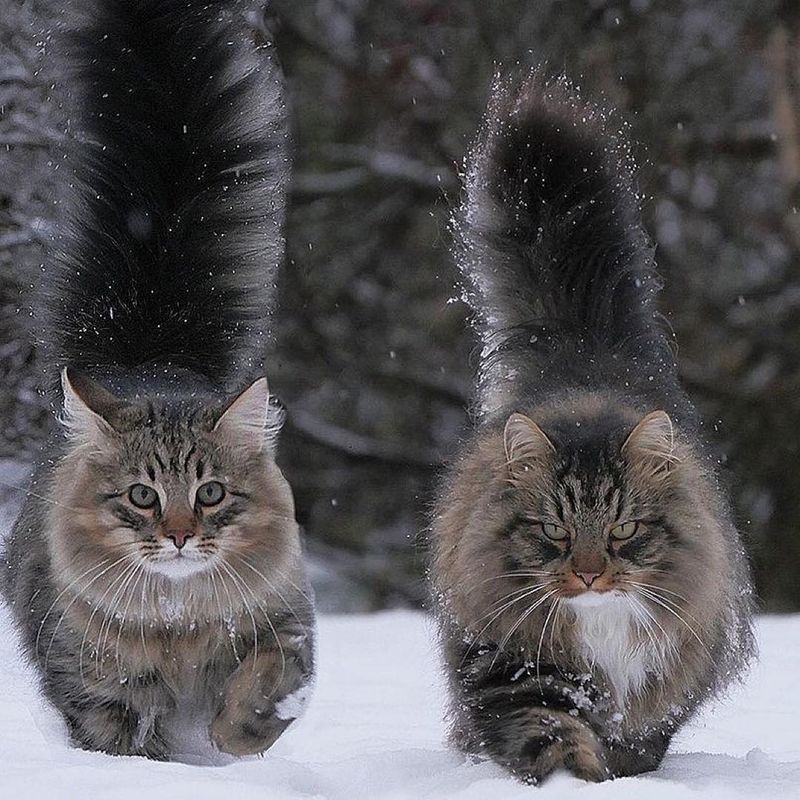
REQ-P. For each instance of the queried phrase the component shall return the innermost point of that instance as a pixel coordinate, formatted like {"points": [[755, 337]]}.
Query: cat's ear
{"points": [[526, 444], [89, 409], [651, 444], [248, 417]]}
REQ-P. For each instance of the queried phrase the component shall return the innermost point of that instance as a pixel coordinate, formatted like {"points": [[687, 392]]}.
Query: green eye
{"points": [[142, 496], [554, 532], [624, 531], [211, 493]]}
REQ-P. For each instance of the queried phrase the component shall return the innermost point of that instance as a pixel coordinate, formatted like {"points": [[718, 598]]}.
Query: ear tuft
{"points": [[526, 444], [651, 444], [89, 409], [250, 417]]}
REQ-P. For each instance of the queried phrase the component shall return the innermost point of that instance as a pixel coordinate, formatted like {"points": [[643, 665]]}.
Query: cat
{"points": [[590, 585], [155, 571]]}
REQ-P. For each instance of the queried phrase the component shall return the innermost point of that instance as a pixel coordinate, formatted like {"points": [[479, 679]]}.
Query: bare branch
{"points": [[358, 446], [9, 241], [319, 183], [17, 140]]}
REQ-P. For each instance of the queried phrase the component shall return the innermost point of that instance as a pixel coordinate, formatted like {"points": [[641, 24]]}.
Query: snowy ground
{"points": [[374, 731]]}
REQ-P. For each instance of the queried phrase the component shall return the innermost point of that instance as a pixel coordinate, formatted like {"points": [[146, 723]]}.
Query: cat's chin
{"points": [[179, 568], [592, 599]]}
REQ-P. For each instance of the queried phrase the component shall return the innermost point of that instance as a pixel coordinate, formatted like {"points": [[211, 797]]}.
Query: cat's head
{"points": [[170, 488], [591, 512], [581, 507]]}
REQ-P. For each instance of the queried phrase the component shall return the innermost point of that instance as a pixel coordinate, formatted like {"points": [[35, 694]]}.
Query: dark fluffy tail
{"points": [[177, 172], [558, 265]]}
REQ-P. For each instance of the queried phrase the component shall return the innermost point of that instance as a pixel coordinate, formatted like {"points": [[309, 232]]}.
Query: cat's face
{"points": [[171, 491], [589, 518], [597, 506]]}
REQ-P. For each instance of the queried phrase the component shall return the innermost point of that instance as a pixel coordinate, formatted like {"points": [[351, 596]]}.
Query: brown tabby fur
{"points": [[591, 587], [127, 649], [477, 569]]}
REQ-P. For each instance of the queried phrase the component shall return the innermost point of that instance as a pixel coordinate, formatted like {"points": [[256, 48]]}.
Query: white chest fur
{"points": [[608, 637]]}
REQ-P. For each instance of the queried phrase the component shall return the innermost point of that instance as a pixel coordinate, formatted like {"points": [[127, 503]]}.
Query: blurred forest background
{"points": [[373, 355]]}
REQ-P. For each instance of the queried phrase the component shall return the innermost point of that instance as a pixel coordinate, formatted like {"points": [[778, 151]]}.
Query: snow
{"points": [[374, 729]]}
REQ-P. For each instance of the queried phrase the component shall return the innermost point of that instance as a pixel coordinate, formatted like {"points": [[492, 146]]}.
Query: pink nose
{"points": [[588, 577], [179, 537]]}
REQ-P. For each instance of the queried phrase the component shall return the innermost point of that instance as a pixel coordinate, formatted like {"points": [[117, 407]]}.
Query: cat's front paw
{"points": [[244, 733], [577, 758], [261, 699]]}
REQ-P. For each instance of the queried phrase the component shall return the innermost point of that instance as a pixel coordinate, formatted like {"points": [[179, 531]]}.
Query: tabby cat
{"points": [[155, 572], [591, 586]]}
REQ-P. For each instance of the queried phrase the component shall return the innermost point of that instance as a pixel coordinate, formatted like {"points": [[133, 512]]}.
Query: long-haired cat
{"points": [[591, 586], [155, 571]]}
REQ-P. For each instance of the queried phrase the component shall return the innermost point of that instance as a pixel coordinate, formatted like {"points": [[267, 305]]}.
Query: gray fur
{"points": [[159, 288], [591, 586], [123, 648]]}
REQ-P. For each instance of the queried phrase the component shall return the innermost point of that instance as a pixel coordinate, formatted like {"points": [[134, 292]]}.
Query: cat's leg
{"points": [[535, 742], [103, 713], [264, 695], [634, 756], [533, 722], [116, 729]]}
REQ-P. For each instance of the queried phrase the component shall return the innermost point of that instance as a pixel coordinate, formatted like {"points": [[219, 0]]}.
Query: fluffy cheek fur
{"points": [[467, 553], [265, 535], [88, 546], [91, 547], [475, 547]]}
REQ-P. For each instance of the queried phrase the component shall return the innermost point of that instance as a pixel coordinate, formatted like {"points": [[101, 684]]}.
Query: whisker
{"points": [[504, 641], [647, 590], [523, 592], [44, 499], [519, 574], [230, 571], [212, 577], [559, 607], [228, 621], [659, 588], [93, 568], [669, 644], [142, 614], [642, 621], [494, 616], [550, 613], [281, 574], [97, 606], [274, 589], [267, 617], [139, 576], [78, 596], [659, 601], [108, 621]]}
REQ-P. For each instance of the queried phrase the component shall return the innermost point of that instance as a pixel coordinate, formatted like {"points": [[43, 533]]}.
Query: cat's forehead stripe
{"points": [[191, 452]]}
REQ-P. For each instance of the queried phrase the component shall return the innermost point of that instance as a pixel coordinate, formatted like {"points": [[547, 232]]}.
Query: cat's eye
{"points": [[210, 494], [142, 496], [554, 532], [624, 531]]}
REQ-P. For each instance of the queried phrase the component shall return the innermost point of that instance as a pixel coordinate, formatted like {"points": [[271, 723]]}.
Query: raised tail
{"points": [[177, 171], [559, 270]]}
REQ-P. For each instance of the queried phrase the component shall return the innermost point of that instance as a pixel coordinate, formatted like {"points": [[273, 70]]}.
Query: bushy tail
{"points": [[177, 167], [556, 261]]}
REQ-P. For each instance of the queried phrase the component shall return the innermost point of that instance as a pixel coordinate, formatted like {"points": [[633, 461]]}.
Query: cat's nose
{"points": [[588, 577], [179, 537]]}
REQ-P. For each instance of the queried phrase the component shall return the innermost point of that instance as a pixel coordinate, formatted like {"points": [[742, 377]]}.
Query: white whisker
{"points": [[504, 641]]}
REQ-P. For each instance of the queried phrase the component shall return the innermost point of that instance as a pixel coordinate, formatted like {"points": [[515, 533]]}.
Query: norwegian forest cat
{"points": [[591, 586], [155, 571]]}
